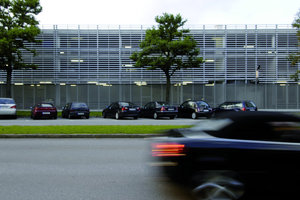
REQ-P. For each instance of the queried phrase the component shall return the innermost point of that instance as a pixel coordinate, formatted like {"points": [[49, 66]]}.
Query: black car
{"points": [[158, 109], [236, 156], [120, 110], [194, 109], [235, 106], [76, 110]]}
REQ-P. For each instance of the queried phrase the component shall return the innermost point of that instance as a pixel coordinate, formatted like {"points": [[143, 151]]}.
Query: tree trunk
{"points": [[8, 82], [168, 88]]}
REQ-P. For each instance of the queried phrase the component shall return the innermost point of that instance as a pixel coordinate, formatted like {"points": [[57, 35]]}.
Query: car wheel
{"points": [[117, 116], [194, 115], [104, 115], [87, 117], [155, 116], [69, 116], [219, 188]]}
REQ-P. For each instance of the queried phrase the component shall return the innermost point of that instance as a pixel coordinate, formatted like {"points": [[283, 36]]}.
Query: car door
{"points": [[184, 109], [145, 111], [109, 110], [65, 110]]}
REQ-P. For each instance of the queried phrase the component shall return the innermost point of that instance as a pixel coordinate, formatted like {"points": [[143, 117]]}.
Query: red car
{"points": [[44, 110]]}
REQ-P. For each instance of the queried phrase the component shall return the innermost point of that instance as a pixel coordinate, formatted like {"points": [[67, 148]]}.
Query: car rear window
{"points": [[46, 105], [79, 105], [7, 101], [126, 104], [232, 105]]}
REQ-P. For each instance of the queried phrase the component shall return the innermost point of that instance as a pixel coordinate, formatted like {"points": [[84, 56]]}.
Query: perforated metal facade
{"points": [[91, 57], [81, 54]]}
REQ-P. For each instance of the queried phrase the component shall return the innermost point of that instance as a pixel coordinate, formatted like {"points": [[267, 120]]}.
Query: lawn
{"points": [[100, 129]]}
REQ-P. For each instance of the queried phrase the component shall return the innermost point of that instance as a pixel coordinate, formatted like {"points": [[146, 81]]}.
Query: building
{"points": [[91, 63]]}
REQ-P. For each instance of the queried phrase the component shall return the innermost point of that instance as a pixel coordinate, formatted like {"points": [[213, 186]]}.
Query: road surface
{"points": [[81, 169]]}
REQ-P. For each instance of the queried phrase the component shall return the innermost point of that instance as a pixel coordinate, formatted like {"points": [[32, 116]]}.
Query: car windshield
{"points": [[79, 105], [7, 101]]}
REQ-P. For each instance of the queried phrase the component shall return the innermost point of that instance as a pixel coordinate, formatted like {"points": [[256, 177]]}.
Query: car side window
{"points": [[249, 104], [185, 105], [147, 106], [192, 105], [153, 105]]}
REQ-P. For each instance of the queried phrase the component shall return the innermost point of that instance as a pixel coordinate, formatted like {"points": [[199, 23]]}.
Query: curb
{"points": [[78, 135]]}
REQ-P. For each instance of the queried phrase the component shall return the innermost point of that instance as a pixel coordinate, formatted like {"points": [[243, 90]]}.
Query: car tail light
{"points": [[138, 109], [124, 108], [168, 149], [13, 106], [243, 109], [163, 109]]}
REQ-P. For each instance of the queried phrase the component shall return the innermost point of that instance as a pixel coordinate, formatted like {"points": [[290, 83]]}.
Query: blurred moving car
{"points": [[158, 109], [76, 110], [44, 111], [8, 108], [194, 109], [236, 156], [235, 106], [121, 109]]}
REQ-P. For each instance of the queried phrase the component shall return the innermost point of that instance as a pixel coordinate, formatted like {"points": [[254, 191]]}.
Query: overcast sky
{"points": [[143, 12]]}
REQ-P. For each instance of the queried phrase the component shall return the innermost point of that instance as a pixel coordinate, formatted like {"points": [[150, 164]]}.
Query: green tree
{"points": [[295, 58], [168, 47], [17, 26]]}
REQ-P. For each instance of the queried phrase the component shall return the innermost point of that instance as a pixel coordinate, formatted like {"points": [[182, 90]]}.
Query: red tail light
{"points": [[13, 106], [243, 109], [124, 108], [168, 149], [138, 109], [163, 109]]}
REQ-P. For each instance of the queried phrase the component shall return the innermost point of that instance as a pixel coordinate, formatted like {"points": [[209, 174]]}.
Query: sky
{"points": [[143, 12]]}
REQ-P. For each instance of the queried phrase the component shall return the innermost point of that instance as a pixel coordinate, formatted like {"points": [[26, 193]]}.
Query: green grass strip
{"points": [[101, 129]]}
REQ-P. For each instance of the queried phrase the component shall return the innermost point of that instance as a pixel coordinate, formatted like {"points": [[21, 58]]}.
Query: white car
{"points": [[8, 107]]}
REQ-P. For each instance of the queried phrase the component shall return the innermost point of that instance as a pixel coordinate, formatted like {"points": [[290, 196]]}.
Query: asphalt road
{"points": [[81, 169], [96, 121]]}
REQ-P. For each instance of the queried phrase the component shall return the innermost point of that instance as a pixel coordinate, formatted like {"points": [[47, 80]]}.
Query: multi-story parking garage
{"points": [[91, 64]]}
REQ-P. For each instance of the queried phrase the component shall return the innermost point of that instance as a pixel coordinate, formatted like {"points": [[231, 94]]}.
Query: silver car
{"points": [[8, 107]]}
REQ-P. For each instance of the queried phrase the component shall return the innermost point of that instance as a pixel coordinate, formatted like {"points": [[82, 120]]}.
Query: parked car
{"points": [[244, 154], [8, 108], [235, 106], [76, 110], [120, 110], [44, 111], [159, 109], [194, 109]]}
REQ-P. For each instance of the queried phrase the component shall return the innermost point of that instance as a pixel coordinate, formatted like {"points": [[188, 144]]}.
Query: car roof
{"points": [[259, 116]]}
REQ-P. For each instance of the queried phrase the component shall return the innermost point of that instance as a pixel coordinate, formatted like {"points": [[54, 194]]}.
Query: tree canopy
{"points": [[168, 47], [17, 26], [295, 58]]}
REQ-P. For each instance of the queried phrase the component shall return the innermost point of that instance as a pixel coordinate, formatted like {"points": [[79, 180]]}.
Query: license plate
{"points": [[80, 113], [205, 110], [46, 113], [132, 109], [171, 109]]}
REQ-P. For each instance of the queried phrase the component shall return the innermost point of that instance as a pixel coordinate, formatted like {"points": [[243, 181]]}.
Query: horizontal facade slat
{"points": [[84, 53]]}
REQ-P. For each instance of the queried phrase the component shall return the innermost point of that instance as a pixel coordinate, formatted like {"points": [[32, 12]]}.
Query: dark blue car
{"points": [[241, 155]]}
